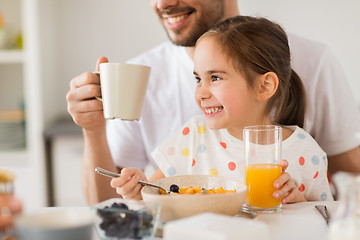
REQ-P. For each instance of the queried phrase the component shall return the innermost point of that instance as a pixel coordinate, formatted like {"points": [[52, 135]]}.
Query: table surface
{"points": [[297, 221]]}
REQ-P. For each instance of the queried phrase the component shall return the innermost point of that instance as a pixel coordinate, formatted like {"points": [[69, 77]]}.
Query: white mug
{"points": [[123, 88]]}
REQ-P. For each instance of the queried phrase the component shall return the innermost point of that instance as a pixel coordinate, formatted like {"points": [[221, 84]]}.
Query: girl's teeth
{"points": [[213, 110], [176, 19]]}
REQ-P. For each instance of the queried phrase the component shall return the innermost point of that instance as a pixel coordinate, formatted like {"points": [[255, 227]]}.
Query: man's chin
{"points": [[183, 44], [182, 41]]}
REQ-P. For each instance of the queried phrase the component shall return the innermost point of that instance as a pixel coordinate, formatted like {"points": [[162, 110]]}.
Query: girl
{"points": [[244, 77]]}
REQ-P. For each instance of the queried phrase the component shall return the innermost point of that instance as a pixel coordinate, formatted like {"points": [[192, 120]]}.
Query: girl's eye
{"points": [[215, 78], [197, 79]]}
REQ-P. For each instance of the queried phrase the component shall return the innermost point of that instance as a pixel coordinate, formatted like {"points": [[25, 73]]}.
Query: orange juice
{"points": [[259, 180]]}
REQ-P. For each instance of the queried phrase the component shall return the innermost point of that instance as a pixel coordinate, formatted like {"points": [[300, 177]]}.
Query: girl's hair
{"points": [[257, 46]]}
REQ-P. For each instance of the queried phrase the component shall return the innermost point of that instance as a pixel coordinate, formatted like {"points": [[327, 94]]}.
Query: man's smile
{"points": [[176, 21]]}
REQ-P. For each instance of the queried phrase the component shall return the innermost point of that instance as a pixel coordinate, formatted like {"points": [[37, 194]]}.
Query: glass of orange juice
{"points": [[262, 157]]}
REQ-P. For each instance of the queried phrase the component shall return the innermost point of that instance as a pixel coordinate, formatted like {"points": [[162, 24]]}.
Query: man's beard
{"points": [[191, 38]]}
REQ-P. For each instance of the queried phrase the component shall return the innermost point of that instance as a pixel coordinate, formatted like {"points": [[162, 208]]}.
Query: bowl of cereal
{"points": [[189, 195], [119, 218]]}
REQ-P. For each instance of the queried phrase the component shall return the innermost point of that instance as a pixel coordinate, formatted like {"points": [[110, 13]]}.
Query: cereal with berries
{"points": [[175, 189]]}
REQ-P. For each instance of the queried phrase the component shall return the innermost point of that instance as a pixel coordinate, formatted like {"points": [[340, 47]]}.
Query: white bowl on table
{"points": [[176, 206], [55, 224]]}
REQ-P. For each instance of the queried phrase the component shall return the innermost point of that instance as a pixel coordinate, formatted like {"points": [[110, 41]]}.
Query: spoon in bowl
{"points": [[112, 175]]}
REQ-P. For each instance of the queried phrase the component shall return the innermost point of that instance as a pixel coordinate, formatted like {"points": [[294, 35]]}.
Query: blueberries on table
{"points": [[120, 222]]}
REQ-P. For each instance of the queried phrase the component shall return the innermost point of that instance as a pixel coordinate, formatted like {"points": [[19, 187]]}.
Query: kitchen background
{"points": [[45, 43]]}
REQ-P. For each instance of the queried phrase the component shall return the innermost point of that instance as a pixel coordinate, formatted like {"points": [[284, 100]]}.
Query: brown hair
{"points": [[257, 46]]}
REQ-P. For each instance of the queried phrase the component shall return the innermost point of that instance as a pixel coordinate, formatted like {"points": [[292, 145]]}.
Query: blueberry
{"points": [[120, 206], [112, 230], [147, 218], [174, 188], [104, 225], [106, 214]]}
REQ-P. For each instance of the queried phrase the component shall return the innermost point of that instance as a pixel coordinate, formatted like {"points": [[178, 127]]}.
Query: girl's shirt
{"points": [[196, 149]]}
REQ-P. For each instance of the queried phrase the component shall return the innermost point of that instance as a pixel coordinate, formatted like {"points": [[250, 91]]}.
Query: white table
{"points": [[298, 221]]}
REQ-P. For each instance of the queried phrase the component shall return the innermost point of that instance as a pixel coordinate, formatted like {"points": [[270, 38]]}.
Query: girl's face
{"points": [[222, 93]]}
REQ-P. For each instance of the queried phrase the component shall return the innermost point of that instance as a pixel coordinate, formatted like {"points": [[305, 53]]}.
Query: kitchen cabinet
{"points": [[66, 163], [12, 68], [64, 149], [61, 39], [21, 148]]}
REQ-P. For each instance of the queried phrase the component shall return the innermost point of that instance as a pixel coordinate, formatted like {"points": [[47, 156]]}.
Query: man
{"points": [[331, 115]]}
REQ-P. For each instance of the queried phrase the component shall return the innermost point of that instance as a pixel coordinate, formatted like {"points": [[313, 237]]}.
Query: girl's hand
{"points": [[127, 184], [287, 189]]}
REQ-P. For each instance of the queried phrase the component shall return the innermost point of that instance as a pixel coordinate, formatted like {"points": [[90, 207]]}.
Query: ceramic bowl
{"points": [[119, 218], [55, 224], [175, 206]]}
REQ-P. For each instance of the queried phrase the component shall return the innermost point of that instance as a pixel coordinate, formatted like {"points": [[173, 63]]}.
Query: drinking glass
{"points": [[262, 157]]}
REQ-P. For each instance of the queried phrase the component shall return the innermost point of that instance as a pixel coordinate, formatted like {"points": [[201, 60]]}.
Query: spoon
{"points": [[112, 174], [324, 212]]}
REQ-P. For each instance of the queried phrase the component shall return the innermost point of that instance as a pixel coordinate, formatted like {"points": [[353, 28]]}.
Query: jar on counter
{"points": [[345, 224], [10, 205]]}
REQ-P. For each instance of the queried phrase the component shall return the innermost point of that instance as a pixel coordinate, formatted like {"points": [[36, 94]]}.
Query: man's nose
{"points": [[165, 4]]}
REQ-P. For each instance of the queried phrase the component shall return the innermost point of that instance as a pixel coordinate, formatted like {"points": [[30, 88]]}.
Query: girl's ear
{"points": [[267, 86]]}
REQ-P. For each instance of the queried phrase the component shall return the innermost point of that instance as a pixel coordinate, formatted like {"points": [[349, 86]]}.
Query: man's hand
{"points": [[83, 107]]}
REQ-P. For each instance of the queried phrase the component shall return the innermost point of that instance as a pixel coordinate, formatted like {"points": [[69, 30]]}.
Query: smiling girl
{"points": [[244, 77]]}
